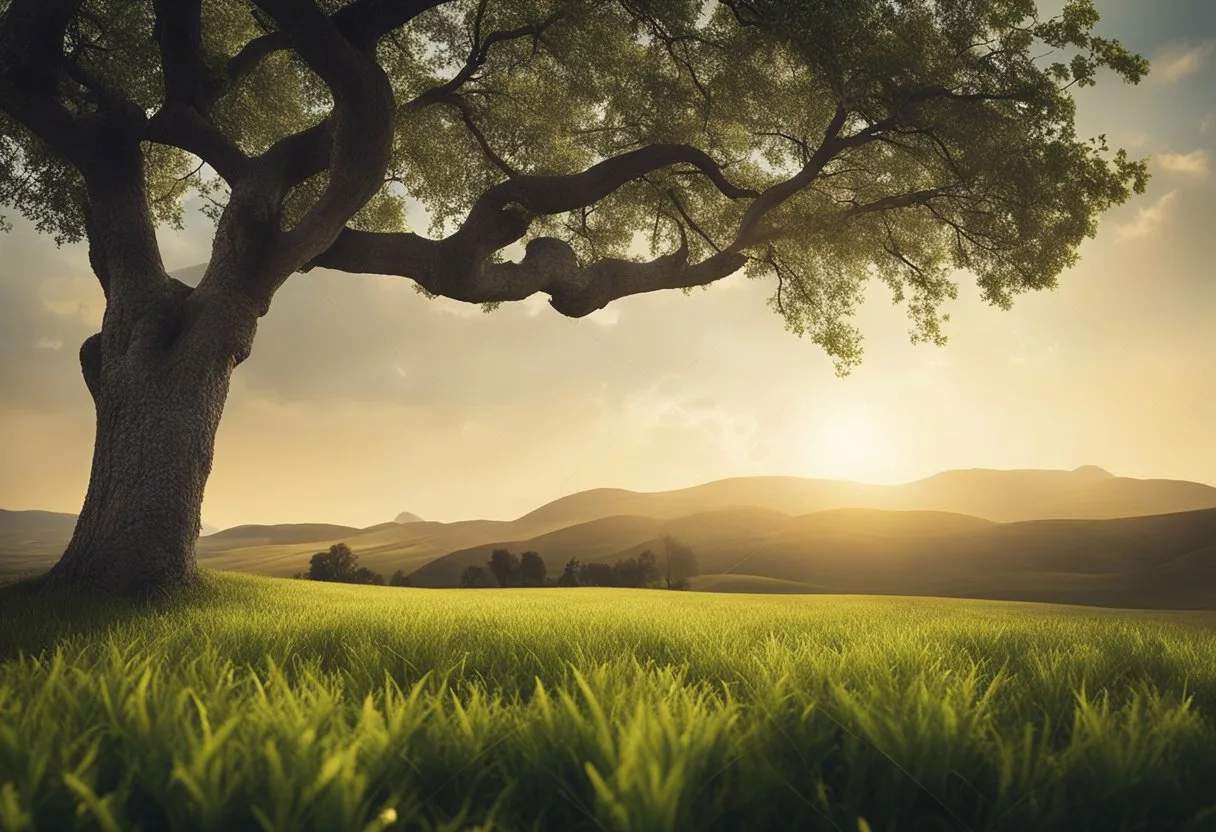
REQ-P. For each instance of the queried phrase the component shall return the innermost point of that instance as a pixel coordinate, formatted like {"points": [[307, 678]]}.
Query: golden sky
{"points": [[363, 399]]}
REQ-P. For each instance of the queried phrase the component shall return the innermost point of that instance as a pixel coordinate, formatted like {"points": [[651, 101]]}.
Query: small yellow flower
{"points": [[388, 816]]}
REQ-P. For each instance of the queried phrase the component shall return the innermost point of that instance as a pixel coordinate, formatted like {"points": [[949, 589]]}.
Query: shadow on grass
{"points": [[35, 617]]}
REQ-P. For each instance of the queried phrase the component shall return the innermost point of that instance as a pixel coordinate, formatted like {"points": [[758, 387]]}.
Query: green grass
{"points": [[259, 704]]}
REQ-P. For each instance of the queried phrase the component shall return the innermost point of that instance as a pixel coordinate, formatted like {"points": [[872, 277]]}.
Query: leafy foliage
{"points": [[679, 563], [340, 565], [504, 566], [531, 569], [570, 573], [904, 142], [476, 577]]}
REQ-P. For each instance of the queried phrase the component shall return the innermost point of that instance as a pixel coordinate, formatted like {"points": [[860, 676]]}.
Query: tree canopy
{"points": [[619, 147], [340, 565], [584, 149]]}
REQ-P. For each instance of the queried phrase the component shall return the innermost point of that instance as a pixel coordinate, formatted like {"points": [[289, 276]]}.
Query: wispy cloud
{"points": [[1207, 122], [1180, 59], [1148, 220], [1195, 163]]}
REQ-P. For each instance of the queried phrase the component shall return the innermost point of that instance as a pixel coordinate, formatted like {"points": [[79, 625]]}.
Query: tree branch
{"points": [[362, 22], [179, 33], [459, 266], [478, 55], [181, 125], [466, 115], [749, 229], [31, 60], [897, 201], [361, 123]]}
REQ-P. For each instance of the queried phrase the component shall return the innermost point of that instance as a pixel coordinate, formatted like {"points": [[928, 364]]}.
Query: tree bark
{"points": [[159, 397]]}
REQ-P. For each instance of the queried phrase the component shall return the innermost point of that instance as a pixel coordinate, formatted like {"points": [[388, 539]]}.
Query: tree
{"points": [[596, 574], [570, 575], [476, 577], [679, 563], [818, 143], [400, 578], [531, 569], [338, 564], [625, 572], [504, 566], [363, 575], [648, 569]]}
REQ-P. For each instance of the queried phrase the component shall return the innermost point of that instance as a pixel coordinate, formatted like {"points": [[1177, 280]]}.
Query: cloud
{"points": [[1178, 60], [1195, 162], [1207, 122], [1147, 220]]}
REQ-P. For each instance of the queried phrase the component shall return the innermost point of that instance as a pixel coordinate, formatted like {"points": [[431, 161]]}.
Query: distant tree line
{"points": [[341, 565], [506, 569]]}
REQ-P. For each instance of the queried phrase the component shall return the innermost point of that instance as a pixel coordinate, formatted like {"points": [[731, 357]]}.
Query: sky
{"points": [[363, 399]]}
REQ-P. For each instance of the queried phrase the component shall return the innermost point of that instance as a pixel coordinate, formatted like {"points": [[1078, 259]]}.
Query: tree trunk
{"points": [[159, 399]]}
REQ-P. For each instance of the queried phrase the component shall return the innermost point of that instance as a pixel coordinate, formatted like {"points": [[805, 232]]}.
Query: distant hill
{"points": [[408, 517], [722, 539], [384, 548], [31, 541], [282, 533], [731, 518], [1157, 561], [1084, 493]]}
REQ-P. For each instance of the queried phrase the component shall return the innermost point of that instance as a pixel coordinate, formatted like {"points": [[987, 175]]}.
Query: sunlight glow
{"points": [[849, 440]]}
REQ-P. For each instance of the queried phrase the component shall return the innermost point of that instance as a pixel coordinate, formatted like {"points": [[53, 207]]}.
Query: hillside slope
{"points": [[31, 541], [1088, 493], [1159, 561]]}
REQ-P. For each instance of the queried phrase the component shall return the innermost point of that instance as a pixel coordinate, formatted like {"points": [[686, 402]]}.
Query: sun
{"points": [[849, 440]]}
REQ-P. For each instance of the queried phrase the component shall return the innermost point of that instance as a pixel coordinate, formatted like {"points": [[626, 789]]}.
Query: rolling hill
{"points": [[32, 540], [1157, 561], [737, 526], [1005, 496]]}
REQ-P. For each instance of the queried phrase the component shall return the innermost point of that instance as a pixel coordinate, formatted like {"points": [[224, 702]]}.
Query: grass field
{"points": [[253, 703]]}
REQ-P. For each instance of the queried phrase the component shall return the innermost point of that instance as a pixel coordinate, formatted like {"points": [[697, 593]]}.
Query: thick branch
{"points": [[444, 267], [361, 125], [103, 146], [181, 125], [179, 33], [362, 23], [191, 89], [459, 266], [31, 59]]}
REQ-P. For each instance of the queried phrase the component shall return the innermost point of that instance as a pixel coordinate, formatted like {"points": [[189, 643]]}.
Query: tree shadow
{"points": [[35, 617]]}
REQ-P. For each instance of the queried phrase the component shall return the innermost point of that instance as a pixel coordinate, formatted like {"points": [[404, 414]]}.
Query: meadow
{"points": [[254, 703]]}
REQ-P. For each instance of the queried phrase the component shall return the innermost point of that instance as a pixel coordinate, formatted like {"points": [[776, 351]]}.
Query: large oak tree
{"points": [[585, 149]]}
